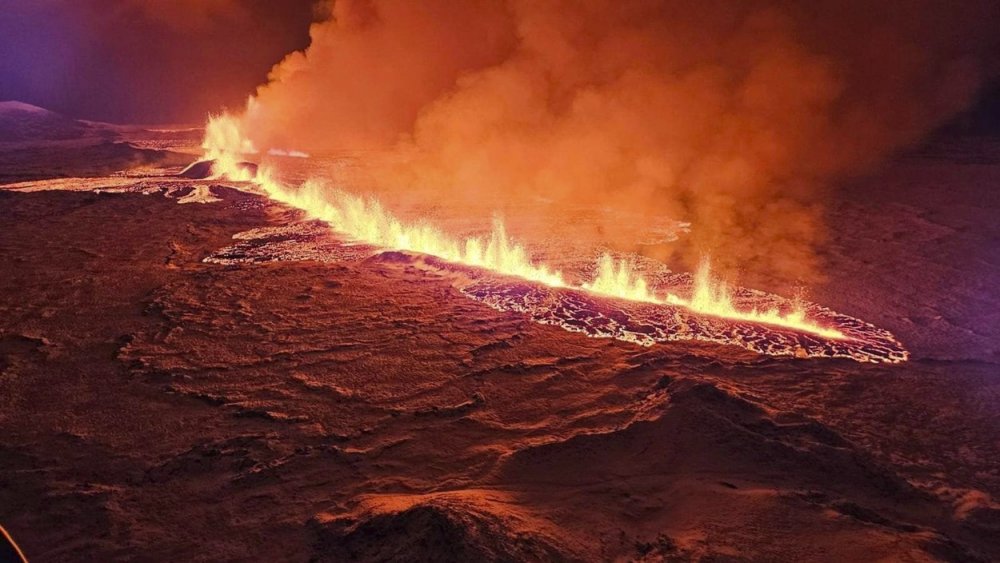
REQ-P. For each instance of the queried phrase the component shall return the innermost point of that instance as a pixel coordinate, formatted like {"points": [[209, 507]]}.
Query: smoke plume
{"points": [[732, 115]]}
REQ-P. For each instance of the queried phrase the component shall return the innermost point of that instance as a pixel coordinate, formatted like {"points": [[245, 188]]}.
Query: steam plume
{"points": [[731, 115]]}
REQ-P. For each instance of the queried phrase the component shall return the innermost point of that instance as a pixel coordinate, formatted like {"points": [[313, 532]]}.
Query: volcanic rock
{"points": [[202, 169], [461, 527], [188, 382]]}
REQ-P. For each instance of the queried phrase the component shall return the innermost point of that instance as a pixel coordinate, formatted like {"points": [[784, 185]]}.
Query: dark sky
{"points": [[144, 61], [169, 61]]}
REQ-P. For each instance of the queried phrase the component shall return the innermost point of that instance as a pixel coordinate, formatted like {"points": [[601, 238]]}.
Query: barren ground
{"points": [[157, 407]]}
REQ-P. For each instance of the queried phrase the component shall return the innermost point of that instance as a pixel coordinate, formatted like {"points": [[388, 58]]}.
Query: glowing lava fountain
{"points": [[365, 220]]}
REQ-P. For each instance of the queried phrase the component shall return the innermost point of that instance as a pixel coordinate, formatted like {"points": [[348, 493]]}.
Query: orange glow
{"points": [[226, 144], [709, 297], [365, 220]]}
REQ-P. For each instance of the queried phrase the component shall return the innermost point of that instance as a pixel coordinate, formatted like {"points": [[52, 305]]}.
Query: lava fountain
{"points": [[366, 220]]}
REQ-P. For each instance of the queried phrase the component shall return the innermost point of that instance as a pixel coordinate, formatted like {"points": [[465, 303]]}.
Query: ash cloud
{"points": [[735, 116]]}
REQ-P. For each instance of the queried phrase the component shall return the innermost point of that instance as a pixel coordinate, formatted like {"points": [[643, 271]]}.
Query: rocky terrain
{"points": [[168, 394], [36, 143]]}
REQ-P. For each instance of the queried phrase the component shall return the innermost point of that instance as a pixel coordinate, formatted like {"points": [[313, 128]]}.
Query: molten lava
{"points": [[365, 220], [226, 146]]}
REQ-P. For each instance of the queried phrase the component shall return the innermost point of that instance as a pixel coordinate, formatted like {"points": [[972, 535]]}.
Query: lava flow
{"points": [[365, 220]]}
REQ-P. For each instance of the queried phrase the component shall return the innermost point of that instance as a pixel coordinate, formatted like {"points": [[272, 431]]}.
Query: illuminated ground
{"points": [[335, 403]]}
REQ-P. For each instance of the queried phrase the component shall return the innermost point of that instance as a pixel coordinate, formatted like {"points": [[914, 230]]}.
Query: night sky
{"points": [[144, 61], [173, 61]]}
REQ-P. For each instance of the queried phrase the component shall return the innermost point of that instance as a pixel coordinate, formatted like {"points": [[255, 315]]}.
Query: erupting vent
{"points": [[618, 302]]}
